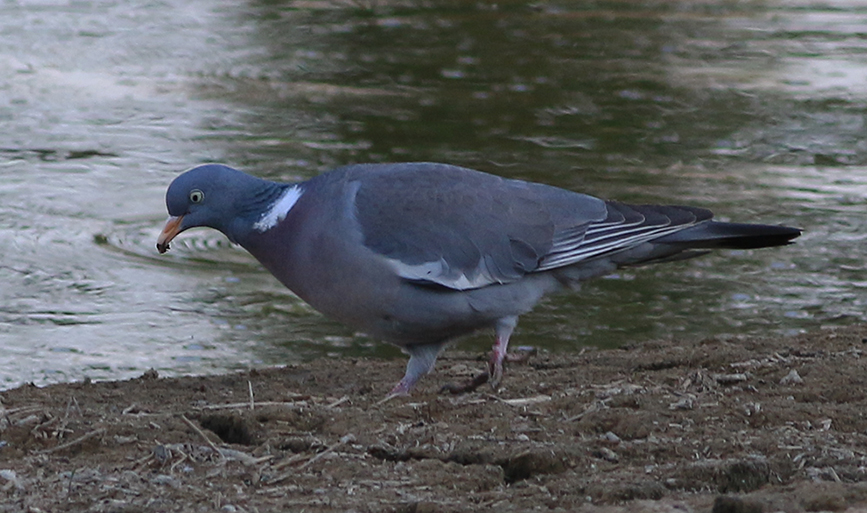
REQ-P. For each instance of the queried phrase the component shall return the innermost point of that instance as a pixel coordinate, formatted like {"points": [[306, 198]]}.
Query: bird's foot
{"points": [[495, 364], [400, 390], [388, 398], [495, 370], [521, 354], [469, 386], [494, 373]]}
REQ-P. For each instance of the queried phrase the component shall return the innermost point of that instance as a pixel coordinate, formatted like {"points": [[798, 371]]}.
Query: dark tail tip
{"points": [[716, 235], [750, 236]]}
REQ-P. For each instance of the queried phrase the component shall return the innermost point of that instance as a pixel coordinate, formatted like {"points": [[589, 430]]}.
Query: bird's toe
{"points": [[469, 386]]}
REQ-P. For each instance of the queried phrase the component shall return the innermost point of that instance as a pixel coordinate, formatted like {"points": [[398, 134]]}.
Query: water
{"points": [[753, 109]]}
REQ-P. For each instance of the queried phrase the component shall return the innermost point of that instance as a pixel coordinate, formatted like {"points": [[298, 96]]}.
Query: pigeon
{"points": [[417, 254]]}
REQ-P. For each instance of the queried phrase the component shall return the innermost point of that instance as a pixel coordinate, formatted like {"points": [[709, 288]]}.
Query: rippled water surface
{"points": [[753, 109]]}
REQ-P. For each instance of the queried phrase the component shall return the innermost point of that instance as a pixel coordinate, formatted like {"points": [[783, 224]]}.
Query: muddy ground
{"points": [[722, 425]]}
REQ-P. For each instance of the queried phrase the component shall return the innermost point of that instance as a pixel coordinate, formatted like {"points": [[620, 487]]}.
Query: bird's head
{"points": [[209, 195]]}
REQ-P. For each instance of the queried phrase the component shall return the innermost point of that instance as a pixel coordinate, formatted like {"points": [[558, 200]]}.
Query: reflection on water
{"points": [[752, 109]]}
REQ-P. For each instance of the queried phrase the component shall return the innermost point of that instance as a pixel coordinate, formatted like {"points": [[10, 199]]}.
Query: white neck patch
{"points": [[279, 209]]}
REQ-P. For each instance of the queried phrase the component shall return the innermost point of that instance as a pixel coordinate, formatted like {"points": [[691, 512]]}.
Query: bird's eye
{"points": [[196, 196]]}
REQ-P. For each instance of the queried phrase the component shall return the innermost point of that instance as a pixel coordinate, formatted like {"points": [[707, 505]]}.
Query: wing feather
{"points": [[626, 226], [461, 229]]}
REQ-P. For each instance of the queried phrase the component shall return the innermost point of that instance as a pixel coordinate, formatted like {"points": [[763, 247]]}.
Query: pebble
{"points": [[792, 378], [606, 454]]}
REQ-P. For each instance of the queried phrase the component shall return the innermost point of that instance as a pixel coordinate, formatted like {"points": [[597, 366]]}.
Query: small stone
{"points": [[162, 453], [611, 438], [12, 478], [792, 378], [685, 403], [606, 454], [149, 375], [165, 479], [730, 379]]}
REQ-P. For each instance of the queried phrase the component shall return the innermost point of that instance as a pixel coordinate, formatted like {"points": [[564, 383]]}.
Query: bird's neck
{"points": [[268, 204]]}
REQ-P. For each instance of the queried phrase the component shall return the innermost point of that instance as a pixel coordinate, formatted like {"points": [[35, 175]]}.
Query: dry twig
{"points": [[82, 438]]}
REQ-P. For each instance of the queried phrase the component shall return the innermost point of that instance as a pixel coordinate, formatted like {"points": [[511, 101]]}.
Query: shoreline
{"points": [[754, 424]]}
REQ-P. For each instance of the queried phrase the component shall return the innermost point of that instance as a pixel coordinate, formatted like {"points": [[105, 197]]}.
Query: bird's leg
{"points": [[421, 361], [504, 329], [494, 373]]}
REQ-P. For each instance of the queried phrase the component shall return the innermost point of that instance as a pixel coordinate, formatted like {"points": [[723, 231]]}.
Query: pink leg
{"points": [[504, 329], [494, 374], [421, 361]]}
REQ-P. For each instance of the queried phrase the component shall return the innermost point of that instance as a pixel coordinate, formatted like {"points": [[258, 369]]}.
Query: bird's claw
{"points": [[469, 386], [493, 375], [521, 354], [495, 372]]}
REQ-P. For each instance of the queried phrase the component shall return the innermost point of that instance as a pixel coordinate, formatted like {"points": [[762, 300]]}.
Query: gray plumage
{"points": [[417, 254]]}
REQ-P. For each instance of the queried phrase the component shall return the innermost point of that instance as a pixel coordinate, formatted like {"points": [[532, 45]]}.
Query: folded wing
{"points": [[447, 226]]}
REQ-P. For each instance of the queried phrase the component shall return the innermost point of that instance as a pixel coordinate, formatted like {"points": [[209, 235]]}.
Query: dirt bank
{"points": [[715, 425]]}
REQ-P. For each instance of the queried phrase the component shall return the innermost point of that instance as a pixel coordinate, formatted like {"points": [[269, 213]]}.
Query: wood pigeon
{"points": [[417, 254]]}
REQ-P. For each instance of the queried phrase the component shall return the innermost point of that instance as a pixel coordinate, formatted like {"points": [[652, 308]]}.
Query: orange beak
{"points": [[172, 228]]}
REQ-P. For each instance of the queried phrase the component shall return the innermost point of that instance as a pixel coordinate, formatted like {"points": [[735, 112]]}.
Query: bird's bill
{"points": [[172, 228]]}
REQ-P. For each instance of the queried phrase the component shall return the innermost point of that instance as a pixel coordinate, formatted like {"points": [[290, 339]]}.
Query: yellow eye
{"points": [[196, 196]]}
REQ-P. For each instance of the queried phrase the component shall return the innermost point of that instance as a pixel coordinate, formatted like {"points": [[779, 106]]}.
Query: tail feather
{"points": [[718, 235]]}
